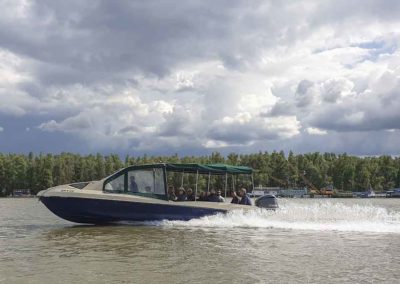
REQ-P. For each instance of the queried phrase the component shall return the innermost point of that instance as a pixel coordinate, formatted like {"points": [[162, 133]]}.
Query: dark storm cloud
{"points": [[232, 135], [88, 41], [359, 119], [177, 123], [304, 94], [372, 110], [331, 12]]}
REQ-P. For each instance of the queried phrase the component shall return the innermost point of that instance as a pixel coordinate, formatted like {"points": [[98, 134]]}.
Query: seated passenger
{"points": [[190, 195], [133, 185], [171, 193], [181, 195], [235, 198], [203, 196], [244, 199], [221, 199], [215, 197]]}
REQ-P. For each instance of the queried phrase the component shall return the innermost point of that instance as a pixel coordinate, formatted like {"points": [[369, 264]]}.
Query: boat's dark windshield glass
{"points": [[79, 185], [146, 182]]}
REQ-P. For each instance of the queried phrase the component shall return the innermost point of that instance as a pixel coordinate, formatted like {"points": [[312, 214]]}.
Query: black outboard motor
{"points": [[267, 201]]}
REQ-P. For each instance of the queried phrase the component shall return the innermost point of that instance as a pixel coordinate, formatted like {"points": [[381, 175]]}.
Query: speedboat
{"points": [[140, 193]]}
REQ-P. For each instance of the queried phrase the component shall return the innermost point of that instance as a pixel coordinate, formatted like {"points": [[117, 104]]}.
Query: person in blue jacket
{"points": [[215, 196], [245, 199], [190, 195]]}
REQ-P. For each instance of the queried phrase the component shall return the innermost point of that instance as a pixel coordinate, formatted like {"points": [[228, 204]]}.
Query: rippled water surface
{"points": [[305, 241]]}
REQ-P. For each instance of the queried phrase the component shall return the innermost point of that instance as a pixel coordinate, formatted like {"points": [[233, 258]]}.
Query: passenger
{"points": [[235, 198], [211, 196], [190, 195], [220, 198], [215, 196], [203, 196], [171, 193], [133, 185], [181, 195], [245, 200]]}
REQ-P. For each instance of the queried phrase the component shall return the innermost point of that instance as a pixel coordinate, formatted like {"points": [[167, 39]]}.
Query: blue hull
{"points": [[100, 211]]}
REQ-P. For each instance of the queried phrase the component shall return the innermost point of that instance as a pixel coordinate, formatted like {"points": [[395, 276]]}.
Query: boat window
{"points": [[79, 185], [146, 182], [115, 185]]}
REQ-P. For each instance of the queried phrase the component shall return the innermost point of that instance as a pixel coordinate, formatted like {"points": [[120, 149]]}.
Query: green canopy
{"points": [[231, 169], [216, 169]]}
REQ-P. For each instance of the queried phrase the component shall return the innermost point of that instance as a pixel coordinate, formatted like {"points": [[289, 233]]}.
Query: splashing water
{"points": [[320, 216]]}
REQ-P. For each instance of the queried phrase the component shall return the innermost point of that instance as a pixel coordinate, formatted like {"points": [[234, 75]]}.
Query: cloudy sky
{"points": [[192, 77]]}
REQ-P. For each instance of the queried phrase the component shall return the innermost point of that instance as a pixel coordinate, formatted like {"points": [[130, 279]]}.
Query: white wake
{"points": [[320, 216]]}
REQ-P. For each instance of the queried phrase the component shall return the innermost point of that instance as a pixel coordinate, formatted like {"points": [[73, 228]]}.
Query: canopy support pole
{"points": [[197, 179], [226, 182], [183, 174], [165, 173], [208, 183], [252, 190]]}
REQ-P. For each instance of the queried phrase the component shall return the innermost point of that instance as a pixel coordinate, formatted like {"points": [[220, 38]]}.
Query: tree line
{"points": [[275, 169]]}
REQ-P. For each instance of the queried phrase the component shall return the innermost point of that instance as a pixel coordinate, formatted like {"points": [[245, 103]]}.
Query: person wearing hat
{"points": [[181, 195], [190, 195], [245, 200]]}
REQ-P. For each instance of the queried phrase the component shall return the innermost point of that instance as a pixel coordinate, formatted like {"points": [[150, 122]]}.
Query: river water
{"points": [[305, 241]]}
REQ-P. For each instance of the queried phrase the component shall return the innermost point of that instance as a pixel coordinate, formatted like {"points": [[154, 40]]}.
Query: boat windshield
{"points": [[145, 182]]}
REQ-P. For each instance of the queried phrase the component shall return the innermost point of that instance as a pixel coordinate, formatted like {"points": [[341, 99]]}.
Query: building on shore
{"points": [[262, 190], [294, 193], [21, 193], [395, 192], [281, 192]]}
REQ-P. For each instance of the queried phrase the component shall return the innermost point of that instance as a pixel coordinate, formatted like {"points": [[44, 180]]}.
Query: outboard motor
{"points": [[267, 201]]}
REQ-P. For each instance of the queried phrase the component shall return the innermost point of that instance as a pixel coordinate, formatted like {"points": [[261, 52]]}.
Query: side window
{"points": [[115, 185], [149, 181]]}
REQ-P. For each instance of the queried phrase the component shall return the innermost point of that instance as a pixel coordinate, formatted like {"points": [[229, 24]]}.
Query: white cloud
{"points": [[315, 131], [13, 71], [1, 129]]}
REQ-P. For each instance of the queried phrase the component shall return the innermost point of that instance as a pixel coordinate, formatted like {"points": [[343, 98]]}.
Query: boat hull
{"points": [[103, 211]]}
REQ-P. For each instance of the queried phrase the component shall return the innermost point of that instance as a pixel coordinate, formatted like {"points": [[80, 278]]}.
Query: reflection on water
{"points": [[37, 247], [123, 241]]}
